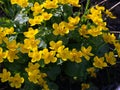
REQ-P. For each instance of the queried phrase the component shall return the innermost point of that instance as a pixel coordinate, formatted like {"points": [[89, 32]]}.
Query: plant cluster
{"points": [[42, 39]]}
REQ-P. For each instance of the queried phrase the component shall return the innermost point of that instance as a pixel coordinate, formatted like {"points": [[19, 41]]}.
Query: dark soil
{"points": [[108, 78]]}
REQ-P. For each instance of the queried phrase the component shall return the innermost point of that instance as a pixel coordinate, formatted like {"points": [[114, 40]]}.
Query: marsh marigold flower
{"points": [[117, 46], [29, 44], [74, 3], [46, 16], [96, 15], [99, 62], [48, 56], [48, 4], [12, 45], [5, 75], [63, 53], [110, 58], [60, 28], [36, 20], [11, 55], [94, 31], [74, 21], [36, 76], [54, 46], [63, 1], [31, 33], [84, 86], [91, 71], [109, 38], [109, 14], [22, 3], [83, 31], [86, 52], [35, 55], [2, 55], [75, 56], [2, 35], [32, 67], [71, 25], [33, 76], [37, 9], [16, 81], [9, 30]]}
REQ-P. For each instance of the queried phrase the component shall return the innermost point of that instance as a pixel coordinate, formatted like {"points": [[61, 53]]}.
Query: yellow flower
{"points": [[54, 46], [109, 38], [9, 30], [2, 35], [110, 58], [100, 8], [85, 86], [94, 31], [32, 67], [86, 52], [11, 55], [74, 21], [109, 14], [46, 16], [71, 26], [2, 55], [29, 44], [83, 31], [13, 1], [75, 56], [12, 45], [35, 55], [16, 81], [63, 53], [91, 71], [96, 15], [99, 62], [24, 49], [37, 9], [36, 20], [5, 75], [22, 3], [60, 29], [38, 78], [48, 4], [31, 33], [33, 76], [63, 1], [117, 47], [74, 3], [48, 56], [102, 26]]}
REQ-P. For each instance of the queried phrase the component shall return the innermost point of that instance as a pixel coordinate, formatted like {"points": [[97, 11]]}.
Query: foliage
{"points": [[42, 39]]}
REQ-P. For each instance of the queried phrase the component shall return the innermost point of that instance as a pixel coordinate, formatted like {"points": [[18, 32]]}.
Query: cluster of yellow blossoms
{"points": [[63, 27], [35, 76], [15, 81], [10, 47]]}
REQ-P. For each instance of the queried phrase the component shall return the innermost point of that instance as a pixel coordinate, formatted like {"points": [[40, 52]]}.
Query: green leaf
{"points": [[67, 9], [78, 70], [52, 86], [53, 71], [41, 62], [30, 86], [5, 22]]}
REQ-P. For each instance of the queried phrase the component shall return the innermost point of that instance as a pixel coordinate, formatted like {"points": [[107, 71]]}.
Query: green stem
{"points": [[83, 19], [87, 6]]}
